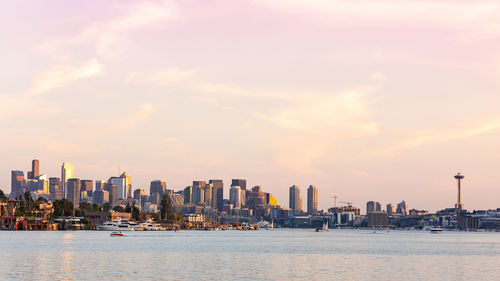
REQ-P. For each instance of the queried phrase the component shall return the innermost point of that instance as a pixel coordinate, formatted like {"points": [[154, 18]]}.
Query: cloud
{"points": [[437, 136], [475, 17], [63, 75], [166, 77], [106, 38]]}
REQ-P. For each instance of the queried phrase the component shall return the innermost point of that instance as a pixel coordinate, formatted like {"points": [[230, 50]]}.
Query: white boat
{"points": [[117, 225], [270, 226], [436, 229], [148, 226]]}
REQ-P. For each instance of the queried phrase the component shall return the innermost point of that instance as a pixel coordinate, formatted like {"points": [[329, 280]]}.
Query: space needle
{"points": [[459, 206]]}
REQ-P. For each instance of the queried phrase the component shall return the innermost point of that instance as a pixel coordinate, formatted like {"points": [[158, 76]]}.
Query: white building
{"points": [[235, 196]]}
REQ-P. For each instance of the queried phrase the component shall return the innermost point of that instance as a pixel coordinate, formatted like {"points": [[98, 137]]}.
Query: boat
{"points": [[117, 225], [148, 226], [270, 226], [319, 229], [436, 229], [117, 234]]}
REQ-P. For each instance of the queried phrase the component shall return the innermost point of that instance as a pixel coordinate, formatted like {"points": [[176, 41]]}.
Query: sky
{"points": [[367, 100]]}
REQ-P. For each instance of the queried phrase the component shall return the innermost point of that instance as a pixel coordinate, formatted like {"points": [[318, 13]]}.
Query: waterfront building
{"points": [[67, 172], [16, 185], [312, 200], [73, 191], [235, 196], [295, 202], [377, 219], [217, 194], [372, 206], [402, 208], [345, 209]]}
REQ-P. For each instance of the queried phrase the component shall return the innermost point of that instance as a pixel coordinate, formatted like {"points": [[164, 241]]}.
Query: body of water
{"points": [[282, 254]]}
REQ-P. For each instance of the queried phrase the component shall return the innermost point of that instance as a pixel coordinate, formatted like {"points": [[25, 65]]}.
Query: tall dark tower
{"points": [[459, 206], [35, 168]]}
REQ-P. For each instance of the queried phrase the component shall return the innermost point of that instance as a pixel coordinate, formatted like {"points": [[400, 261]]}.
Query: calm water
{"points": [[250, 255]]}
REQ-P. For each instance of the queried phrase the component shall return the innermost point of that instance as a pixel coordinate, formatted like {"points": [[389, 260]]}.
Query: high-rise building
{"points": [[87, 187], [218, 194], [100, 197], [16, 185], [112, 189], [402, 208], [199, 192], [312, 199], [295, 202], [73, 191], [67, 172], [138, 193], [100, 185], [390, 209], [123, 184], [242, 183], [372, 206], [235, 196], [55, 190], [188, 195], [157, 189], [35, 170], [207, 197]]}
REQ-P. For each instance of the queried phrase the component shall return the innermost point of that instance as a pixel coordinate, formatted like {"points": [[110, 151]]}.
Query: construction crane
{"points": [[334, 200], [349, 204]]}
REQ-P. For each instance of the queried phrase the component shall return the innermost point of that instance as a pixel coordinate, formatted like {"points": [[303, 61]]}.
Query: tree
{"points": [[166, 207], [106, 207], [63, 207], [136, 213], [128, 209], [118, 209], [2, 195]]}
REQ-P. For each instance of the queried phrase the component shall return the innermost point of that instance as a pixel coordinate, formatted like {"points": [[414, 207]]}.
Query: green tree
{"points": [[106, 207], [63, 208], [2, 196], [166, 207], [128, 209], [118, 209], [136, 213]]}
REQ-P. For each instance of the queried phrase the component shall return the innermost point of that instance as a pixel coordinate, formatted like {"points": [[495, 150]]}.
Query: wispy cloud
{"points": [[435, 137], [63, 75]]}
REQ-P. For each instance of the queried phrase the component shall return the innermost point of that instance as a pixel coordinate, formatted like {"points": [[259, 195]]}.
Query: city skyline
{"points": [[370, 101], [214, 188]]}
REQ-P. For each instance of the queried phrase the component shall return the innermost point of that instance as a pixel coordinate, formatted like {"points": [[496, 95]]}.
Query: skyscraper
{"points": [[112, 189], [73, 191], [390, 209], [188, 195], [156, 190], [199, 192], [100, 185], [16, 185], [35, 170], [372, 206], [312, 199], [87, 187], [242, 183], [402, 208], [67, 172], [235, 196], [295, 201], [218, 194], [55, 190]]}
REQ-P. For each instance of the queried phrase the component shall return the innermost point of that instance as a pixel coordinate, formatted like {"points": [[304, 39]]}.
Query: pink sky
{"points": [[368, 100]]}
